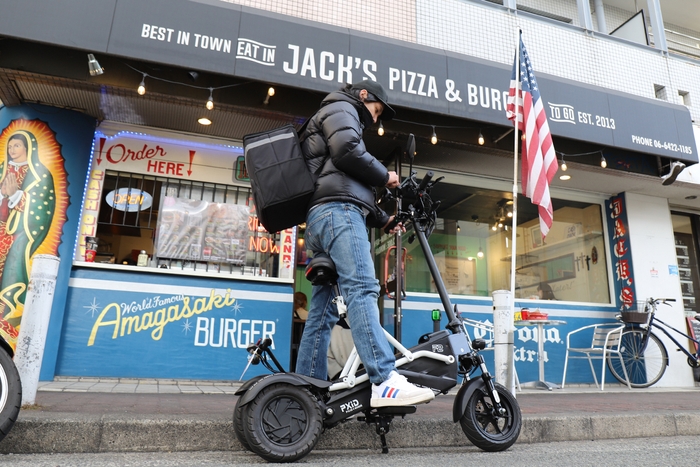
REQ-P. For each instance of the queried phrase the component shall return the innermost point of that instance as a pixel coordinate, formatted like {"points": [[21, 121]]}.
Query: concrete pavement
{"points": [[125, 415]]}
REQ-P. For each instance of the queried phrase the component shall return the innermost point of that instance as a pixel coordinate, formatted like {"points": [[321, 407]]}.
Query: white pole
{"points": [[514, 228], [513, 249], [503, 331], [35, 324]]}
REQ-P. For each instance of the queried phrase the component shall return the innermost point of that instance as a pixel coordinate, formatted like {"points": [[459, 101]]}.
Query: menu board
{"points": [[197, 230]]}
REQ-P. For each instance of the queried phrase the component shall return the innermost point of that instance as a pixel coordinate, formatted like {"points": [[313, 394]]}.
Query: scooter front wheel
{"points": [[10, 393], [283, 423], [485, 427]]}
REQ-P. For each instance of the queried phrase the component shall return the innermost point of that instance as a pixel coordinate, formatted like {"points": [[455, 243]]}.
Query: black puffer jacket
{"points": [[349, 173]]}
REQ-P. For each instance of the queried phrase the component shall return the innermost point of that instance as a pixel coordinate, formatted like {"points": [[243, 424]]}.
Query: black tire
{"points": [[487, 430], [645, 367], [10, 393], [239, 414], [283, 423]]}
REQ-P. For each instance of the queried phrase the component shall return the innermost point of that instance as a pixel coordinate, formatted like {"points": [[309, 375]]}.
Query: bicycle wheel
{"points": [[645, 366]]}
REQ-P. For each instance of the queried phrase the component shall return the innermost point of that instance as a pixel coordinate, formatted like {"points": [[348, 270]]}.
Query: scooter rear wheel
{"points": [[283, 423], [10, 393], [485, 428], [238, 420]]}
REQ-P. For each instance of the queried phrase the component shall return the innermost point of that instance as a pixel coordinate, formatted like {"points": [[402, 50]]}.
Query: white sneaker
{"points": [[397, 391], [675, 169]]}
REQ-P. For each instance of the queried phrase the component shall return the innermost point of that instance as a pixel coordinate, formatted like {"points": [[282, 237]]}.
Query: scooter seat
{"points": [[321, 271]]}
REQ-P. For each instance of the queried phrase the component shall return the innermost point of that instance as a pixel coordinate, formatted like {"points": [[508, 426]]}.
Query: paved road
{"points": [[640, 452]]}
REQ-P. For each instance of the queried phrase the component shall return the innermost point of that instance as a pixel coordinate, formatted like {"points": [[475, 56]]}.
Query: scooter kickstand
{"points": [[383, 425]]}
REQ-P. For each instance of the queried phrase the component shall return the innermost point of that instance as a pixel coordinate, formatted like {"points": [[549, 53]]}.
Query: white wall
{"points": [[653, 256]]}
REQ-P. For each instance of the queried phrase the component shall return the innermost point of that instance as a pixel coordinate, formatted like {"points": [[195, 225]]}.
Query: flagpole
{"points": [[514, 236]]}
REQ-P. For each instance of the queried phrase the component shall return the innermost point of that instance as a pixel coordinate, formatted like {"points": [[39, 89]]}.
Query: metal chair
{"points": [[488, 329], [605, 343]]}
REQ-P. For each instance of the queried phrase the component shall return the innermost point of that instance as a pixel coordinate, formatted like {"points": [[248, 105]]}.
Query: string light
{"points": [[459, 229], [142, 87], [210, 102], [564, 168], [481, 139], [433, 139], [270, 93], [380, 130], [193, 74]]}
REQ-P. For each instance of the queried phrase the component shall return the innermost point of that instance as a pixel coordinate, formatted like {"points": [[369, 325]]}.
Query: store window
{"points": [[191, 218], [184, 225], [471, 244], [685, 235]]}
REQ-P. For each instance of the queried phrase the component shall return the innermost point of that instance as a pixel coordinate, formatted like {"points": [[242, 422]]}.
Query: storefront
{"points": [[213, 281]]}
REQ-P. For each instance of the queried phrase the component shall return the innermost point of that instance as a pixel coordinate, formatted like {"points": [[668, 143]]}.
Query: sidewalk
{"points": [[97, 415]]}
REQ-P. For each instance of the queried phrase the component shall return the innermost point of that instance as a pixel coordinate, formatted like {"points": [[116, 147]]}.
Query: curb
{"points": [[74, 433]]}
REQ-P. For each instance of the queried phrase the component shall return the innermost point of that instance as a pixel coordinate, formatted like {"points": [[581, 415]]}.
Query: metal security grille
{"points": [[118, 220]]}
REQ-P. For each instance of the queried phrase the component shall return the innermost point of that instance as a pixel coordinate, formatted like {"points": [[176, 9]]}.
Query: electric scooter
{"points": [[281, 416], [10, 389]]}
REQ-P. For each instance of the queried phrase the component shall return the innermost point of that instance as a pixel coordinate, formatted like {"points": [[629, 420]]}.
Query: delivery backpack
{"points": [[281, 182]]}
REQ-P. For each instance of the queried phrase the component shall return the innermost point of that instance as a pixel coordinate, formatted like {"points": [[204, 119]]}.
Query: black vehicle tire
{"points": [[645, 367], [239, 414], [487, 430], [283, 423], [10, 393]]}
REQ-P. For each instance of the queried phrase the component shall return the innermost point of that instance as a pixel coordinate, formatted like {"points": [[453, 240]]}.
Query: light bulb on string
{"points": [[480, 254], [509, 214], [210, 102], [563, 164], [380, 130], [433, 139], [494, 227], [481, 139], [270, 93], [603, 162], [459, 229], [142, 87]]}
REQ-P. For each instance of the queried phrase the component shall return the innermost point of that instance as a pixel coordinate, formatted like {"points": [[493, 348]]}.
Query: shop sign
{"points": [[129, 199], [316, 56], [166, 326], [159, 156], [253, 44], [616, 213]]}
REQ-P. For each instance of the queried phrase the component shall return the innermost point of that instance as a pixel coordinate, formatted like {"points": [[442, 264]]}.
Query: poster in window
{"points": [[197, 230]]}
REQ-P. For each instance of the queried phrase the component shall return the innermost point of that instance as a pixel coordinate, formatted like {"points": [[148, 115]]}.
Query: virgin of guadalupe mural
{"points": [[33, 202]]}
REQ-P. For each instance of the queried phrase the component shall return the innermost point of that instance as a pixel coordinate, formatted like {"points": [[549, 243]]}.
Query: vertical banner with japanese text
{"points": [[616, 214]]}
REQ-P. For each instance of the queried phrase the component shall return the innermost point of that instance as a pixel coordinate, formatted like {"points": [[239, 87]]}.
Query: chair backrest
{"points": [[603, 332]]}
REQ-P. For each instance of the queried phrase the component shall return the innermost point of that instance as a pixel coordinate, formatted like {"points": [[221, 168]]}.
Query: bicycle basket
{"points": [[638, 316]]}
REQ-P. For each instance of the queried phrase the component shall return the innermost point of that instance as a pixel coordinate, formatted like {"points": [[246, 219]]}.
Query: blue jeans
{"points": [[338, 230]]}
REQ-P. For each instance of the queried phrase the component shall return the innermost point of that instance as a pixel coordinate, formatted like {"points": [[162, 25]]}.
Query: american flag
{"points": [[539, 161]]}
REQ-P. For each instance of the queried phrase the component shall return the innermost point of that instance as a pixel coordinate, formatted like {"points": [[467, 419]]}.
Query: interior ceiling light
{"points": [[565, 177], [94, 66], [480, 254], [210, 102], [204, 121]]}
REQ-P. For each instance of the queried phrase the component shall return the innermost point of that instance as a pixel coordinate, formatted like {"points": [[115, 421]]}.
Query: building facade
{"points": [[133, 171]]}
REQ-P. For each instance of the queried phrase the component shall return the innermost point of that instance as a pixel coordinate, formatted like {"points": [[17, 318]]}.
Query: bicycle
{"points": [[644, 355]]}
